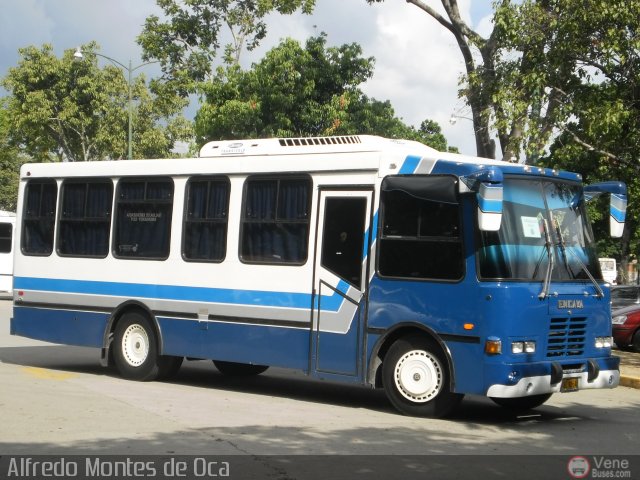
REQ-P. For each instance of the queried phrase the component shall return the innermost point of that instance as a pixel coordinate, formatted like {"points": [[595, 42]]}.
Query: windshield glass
{"points": [[519, 250]]}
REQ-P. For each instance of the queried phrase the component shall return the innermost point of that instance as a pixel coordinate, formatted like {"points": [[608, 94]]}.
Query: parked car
{"points": [[626, 327], [624, 296]]}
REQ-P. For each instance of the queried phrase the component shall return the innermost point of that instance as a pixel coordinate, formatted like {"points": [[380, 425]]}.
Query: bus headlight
{"points": [[604, 342], [527, 346], [517, 347]]}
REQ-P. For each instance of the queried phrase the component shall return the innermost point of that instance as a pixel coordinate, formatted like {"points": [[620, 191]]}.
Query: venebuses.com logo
{"points": [[578, 467], [599, 467]]}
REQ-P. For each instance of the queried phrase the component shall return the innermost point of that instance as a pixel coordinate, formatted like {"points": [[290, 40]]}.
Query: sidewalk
{"points": [[629, 368]]}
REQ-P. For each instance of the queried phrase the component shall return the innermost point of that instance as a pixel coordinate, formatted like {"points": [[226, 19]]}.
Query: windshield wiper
{"points": [[561, 244], [547, 278]]}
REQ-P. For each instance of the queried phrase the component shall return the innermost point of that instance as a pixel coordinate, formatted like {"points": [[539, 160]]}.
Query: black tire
{"points": [[522, 404], [239, 369], [416, 378], [169, 366], [635, 342], [135, 348]]}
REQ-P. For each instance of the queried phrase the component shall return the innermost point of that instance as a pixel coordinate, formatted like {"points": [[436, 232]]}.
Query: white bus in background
{"points": [[7, 227], [609, 269]]}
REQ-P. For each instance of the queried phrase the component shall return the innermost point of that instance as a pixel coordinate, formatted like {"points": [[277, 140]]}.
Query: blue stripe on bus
{"points": [[374, 230], [409, 165], [490, 206], [618, 207], [183, 293]]}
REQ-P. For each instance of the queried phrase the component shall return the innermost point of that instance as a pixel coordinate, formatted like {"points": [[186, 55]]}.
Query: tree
{"points": [[10, 161], [602, 137], [479, 55], [292, 91], [520, 80], [66, 110], [571, 49], [302, 91], [187, 43]]}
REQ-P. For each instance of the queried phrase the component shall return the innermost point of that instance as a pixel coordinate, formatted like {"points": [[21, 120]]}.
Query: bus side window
{"points": [[343, 238], [85, 218], [420, 229], [143, 218], [39, 217], [275, 220], [205, 219], [6, 237]]}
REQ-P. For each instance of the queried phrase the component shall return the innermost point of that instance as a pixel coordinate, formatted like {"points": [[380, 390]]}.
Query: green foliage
{"points": [[302, 91], [602, 138], [68, 110], [564, 73], [10, 161], [187, 40], [549, 53]]}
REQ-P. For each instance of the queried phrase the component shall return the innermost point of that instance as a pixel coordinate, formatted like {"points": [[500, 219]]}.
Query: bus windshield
{"points": [[544, 227]]}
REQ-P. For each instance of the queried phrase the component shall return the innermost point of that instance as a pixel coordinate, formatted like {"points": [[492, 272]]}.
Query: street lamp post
{"points": [[454, 118], [78, 55]]}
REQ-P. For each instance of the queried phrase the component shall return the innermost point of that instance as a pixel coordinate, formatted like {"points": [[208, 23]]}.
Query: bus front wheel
{"points": [[136, 350], [416, 379]]}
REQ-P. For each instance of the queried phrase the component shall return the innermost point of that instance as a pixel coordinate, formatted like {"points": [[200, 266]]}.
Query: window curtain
{"points": [[38, 226], [144, 219], [206, 220], [85, 222], [276, 221]]}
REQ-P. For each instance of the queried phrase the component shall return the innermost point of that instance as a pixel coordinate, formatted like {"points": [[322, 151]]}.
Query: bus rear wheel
{"points": [[416, 379], [136, 350], [239, 369]]}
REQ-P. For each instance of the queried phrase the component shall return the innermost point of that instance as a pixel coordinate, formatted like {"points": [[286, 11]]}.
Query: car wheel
{"points": [[635, 343]]}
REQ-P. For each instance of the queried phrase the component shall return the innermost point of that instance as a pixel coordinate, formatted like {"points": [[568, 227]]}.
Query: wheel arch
{"points": [[382, 345], [129, 306]]}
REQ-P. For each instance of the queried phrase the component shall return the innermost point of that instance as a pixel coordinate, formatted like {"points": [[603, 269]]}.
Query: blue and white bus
{"points": [[356, 259]]}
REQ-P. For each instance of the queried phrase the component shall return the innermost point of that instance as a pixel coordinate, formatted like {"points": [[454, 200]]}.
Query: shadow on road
{"points": [[55, 357], [478, 411]]}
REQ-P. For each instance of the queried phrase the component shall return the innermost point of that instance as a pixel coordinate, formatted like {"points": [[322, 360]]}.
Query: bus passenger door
{"points": [[340, 280]]}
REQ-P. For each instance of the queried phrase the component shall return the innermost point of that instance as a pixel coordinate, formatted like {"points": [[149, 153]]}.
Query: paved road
{"points": [[58, 400]]}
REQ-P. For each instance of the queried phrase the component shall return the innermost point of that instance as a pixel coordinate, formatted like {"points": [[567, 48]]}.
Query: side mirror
{"points": [[617, 203], [488, 185]]}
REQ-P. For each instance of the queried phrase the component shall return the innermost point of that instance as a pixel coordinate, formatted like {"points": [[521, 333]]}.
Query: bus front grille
{"points": [[566, 337]]}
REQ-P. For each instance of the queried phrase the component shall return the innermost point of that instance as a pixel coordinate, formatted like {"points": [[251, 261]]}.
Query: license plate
{"points": [[569, 385]]}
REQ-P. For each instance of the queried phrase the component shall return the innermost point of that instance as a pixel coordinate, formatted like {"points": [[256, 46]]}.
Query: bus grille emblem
{"points": [[566, 304]]}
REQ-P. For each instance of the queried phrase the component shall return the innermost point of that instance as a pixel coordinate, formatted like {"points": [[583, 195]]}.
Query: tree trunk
{"points": [[465, 37]]}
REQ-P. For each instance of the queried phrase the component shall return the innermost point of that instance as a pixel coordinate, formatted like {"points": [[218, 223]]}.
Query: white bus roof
{"points": [[309, 145], [356, 153]]}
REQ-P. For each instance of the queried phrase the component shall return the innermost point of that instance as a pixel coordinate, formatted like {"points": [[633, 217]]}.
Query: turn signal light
{"points": [[493, 346]]}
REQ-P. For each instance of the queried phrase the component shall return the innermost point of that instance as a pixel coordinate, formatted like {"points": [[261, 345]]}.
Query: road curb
{"points": [[629, 381]]}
